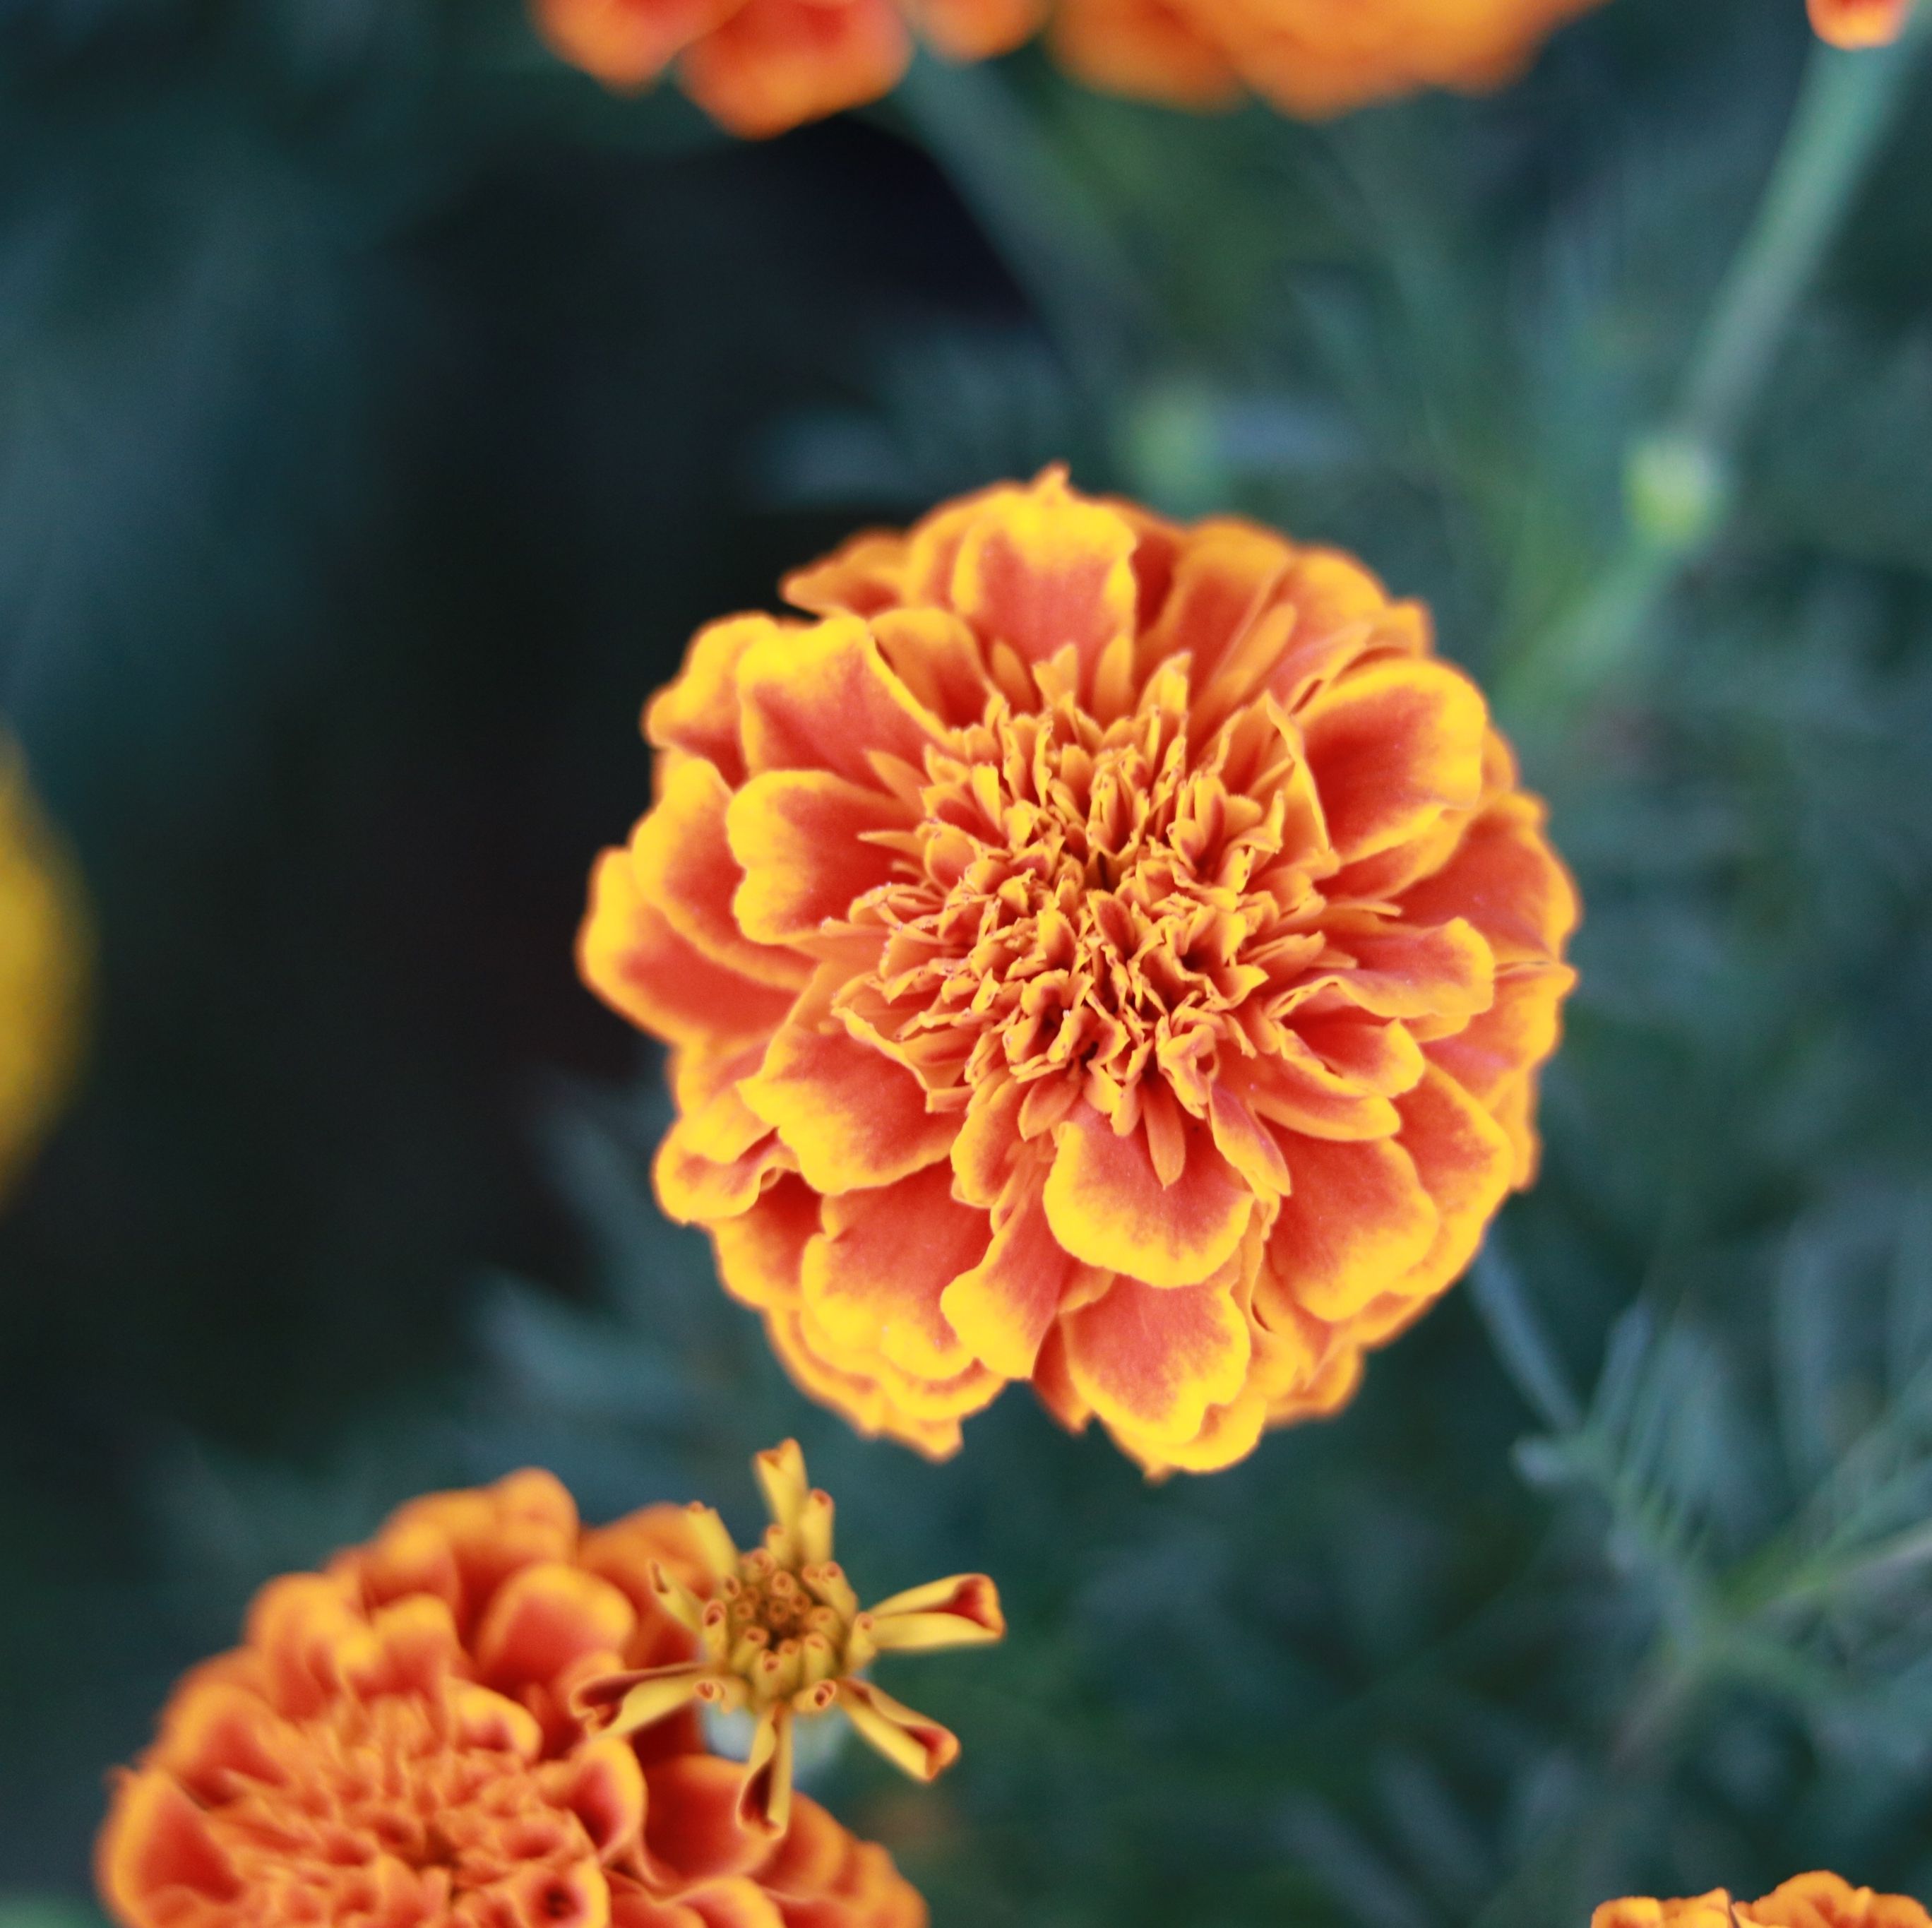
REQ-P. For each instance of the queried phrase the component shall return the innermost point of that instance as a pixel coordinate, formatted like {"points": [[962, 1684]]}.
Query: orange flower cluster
{"points": [[1860, 23], [42, 968], [1806, 1901], [401, 1739], [1311, 57], [758, 67], [1097, 952]]}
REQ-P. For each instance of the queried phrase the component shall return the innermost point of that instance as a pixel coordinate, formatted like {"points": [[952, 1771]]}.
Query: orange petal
{"points": [[695, 1189], [544, 1618], [823, 698], [776, 63], [700, 711], [1444, 972], [1466, 1162], [1506, 880], [623, 43], [1039, 571], [798, 835], [1519, 1030], [1227, 1434], [216, 1732], [632, 958], [1224, 575], [1860, 23], [761, 1251], [1144, 48], [976, 29], [691, 1829], [860, 1395], [937, 657], [1003, 1307], [1392, 744], [852, 1117], [156, 1857], [1152, 1362], [864, 575], [602, 1785], [876, 1276], [1357, 1221], [685, 869], [1109, 1207]]}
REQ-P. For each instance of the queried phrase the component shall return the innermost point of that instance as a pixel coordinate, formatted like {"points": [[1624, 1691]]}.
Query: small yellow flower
{"points": [[42, 968], [781, 1634]]}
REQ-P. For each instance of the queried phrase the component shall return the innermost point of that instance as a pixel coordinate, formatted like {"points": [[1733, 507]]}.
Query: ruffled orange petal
{"points": [[1392, 744], [1358, 1221], [798, 835], [761, 1251], [699, 712], [1145, 49], [1506, 881], [544, 1618], [1466, 1162], [1003, 1307], [976, 29], [1107, 1205], [851, 1117], [1046, 573], [1152, 1360], [630, 955], [685, 869], [876, 1275], [776, 63], [626, 43], [157, 1857]]}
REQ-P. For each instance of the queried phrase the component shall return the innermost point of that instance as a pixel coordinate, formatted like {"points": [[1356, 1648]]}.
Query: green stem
{"points": [[1678, 478], [1038, 218]]}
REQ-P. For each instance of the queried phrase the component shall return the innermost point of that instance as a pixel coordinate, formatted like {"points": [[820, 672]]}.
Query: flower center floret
{"points": [[782, 1627], [1095, 896]]}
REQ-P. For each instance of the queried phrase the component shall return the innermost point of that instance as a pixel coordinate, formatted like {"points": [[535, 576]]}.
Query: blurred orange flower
{"points": [[1096, 951], [43, 968], [780, 1635], [1312, 58], [395, 1743], [1860, 23], [1806, 1901], [758, 67]]}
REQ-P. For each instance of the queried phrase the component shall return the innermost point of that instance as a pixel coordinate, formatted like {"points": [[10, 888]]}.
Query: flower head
{"points": [[1860, 23], [1311, 57], [1805, 1901], [781, 1634], [759, 67], [1095, 951], [42, 968], [394, 1743]]}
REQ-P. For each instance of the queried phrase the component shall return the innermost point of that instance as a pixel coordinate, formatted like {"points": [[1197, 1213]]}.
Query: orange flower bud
{"points": [[1095, 951], [396, 1741]]}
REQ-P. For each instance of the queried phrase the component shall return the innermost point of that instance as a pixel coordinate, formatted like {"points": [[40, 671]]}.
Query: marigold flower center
{"points": [[1091, 895], [334, 1796]]}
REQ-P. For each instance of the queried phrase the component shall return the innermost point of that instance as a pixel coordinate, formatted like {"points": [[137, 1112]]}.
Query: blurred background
{"points": [[381, 407]]}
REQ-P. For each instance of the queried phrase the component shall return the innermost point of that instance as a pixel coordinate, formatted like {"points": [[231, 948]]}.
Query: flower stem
{"points": [[1038, 219], [1678, 478]]}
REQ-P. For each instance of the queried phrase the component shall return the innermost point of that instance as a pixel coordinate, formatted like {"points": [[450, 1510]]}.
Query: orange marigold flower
{"points": [[42, 968], [395, 1742], [1805, 1901], [1860, 23], [1312, 58], [1096, 951], [780, 1634], [758, 67]]}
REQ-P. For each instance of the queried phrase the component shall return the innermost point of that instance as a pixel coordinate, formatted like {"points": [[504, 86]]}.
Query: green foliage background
{"points": [[380, 408]]}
